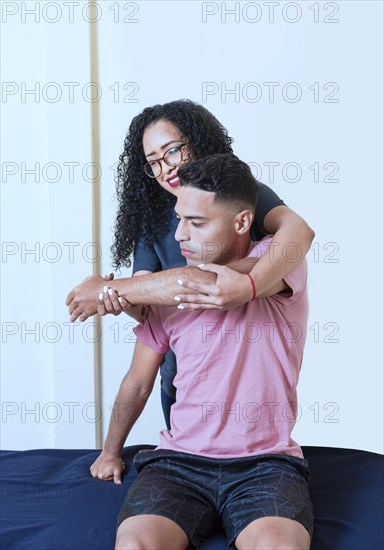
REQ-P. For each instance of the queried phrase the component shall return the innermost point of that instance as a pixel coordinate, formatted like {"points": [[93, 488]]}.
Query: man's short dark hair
{"points": [[225, 175]]}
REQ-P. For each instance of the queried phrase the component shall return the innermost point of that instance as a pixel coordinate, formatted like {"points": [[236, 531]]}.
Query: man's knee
{"points": [[276, 533], [150, 531], [128, 536]]}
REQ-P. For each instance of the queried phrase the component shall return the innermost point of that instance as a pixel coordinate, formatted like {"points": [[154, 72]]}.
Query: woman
{"points": [[159, 140]]}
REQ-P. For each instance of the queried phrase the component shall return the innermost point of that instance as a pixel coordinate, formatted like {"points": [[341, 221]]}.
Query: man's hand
{"points": [[108, 467], [83, 300], [231, 289]]}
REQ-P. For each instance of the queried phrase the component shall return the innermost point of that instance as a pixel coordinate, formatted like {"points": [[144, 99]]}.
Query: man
{"points": [[228, 459]]}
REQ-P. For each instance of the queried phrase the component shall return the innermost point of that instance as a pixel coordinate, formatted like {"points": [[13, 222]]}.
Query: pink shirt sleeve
{"points": [[151, 331]]}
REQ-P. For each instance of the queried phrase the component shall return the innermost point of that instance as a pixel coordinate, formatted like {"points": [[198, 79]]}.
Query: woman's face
{"points": [[158, 138]]}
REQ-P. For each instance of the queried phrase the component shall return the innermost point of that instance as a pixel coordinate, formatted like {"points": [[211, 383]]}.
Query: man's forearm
{"points": [[153, 289], [159, 288], [129, 404]]}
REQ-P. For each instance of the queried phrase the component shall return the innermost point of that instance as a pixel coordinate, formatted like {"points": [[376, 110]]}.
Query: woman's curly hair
{"points": [[144, 206]]}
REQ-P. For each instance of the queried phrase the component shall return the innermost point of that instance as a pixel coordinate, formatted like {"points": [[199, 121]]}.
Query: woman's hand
{"points": [[110, 301], [107, 467], [231, 289]]}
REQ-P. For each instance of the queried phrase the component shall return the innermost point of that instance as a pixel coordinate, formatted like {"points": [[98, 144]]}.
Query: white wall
{"points": [[48, 371], [152, 52]]}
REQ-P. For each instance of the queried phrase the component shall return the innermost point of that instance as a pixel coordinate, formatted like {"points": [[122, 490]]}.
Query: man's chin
{"points": [[194, 262]]}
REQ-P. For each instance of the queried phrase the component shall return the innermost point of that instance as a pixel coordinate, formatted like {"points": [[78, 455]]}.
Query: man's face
{"points": [[207, 229]]}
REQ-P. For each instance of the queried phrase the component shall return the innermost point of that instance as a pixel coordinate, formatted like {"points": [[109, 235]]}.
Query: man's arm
{"points": [[162, 288], [154, 289], [117, 304], [133, 394]]}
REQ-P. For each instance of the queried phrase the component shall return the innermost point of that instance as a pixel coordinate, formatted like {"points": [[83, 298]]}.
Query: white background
{"points": [[325, 60]]}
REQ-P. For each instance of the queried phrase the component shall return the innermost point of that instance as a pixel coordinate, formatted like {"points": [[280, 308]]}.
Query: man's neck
{"points": [[237, 252]]}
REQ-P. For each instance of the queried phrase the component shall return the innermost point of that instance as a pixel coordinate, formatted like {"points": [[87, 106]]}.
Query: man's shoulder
{"points": [[257, 249]]}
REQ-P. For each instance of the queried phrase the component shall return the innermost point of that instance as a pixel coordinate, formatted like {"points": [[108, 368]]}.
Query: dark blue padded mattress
{"points": [[49, 501]]}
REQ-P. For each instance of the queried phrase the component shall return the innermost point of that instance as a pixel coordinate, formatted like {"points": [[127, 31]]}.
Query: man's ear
{"points": [[243, 221]]}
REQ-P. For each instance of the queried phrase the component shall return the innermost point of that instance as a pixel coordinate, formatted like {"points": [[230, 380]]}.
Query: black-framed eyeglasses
{"points": [[172, 157]]}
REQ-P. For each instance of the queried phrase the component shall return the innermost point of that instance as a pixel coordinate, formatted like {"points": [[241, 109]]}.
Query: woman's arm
{"points": [[291, 241], [292, 238]]}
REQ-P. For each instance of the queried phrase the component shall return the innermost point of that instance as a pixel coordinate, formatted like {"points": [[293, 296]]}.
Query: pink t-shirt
{"points": [[237, 371]]}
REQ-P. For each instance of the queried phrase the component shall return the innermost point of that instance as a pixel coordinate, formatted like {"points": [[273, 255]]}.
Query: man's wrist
{"points": [[120, 286], [111, 451]]}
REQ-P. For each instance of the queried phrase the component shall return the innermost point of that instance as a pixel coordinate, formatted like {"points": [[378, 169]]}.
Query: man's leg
{"points": [[268, 508], [150, 532], [165, 507], [273, 533]]}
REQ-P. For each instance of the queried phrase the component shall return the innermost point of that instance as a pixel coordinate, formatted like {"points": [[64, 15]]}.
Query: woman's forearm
{"points": [[289, 246]]}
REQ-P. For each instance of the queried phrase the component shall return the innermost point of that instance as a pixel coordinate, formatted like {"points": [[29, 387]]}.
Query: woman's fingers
{"points": [[111, 302]]}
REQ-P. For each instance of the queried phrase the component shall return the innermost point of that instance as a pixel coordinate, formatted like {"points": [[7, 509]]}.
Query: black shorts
{"points": [[204, 495]]}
